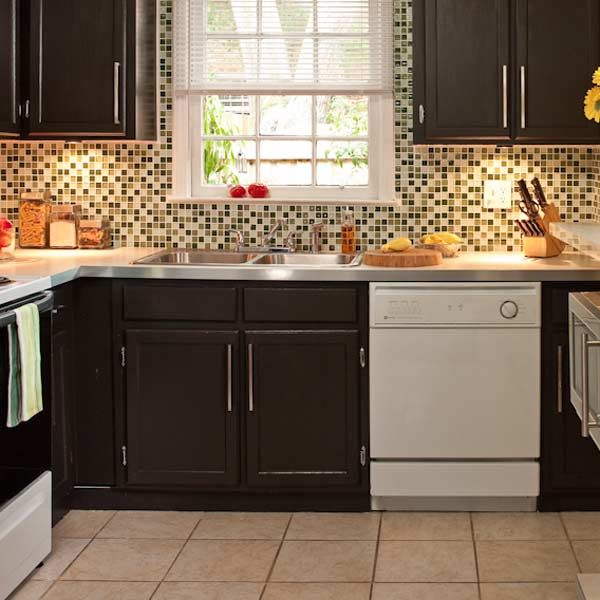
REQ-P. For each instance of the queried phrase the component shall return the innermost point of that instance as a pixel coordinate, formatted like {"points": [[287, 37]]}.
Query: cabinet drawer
{"points": [[176, 302], [301, 305]]}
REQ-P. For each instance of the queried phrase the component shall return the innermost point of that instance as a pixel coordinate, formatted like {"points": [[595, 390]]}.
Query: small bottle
{"points": [[348, 233]]}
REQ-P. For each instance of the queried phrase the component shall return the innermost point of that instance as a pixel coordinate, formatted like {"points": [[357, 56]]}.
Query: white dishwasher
{"points": [[455, 396]]}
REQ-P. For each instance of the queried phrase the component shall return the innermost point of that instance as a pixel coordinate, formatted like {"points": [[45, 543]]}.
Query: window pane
{"points": [[287, 60], [229, 115], [342, 163], [285, 115], [286, 162], [231, 16], [288, 16], [342, 115], [229, 162], [231, 60]]}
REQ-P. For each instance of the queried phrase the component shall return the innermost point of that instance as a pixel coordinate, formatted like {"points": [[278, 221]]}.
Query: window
{"points": [[294, 93]]}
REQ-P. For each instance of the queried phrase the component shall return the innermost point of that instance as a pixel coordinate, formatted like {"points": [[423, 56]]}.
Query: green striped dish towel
{"points": [[25, 373]]}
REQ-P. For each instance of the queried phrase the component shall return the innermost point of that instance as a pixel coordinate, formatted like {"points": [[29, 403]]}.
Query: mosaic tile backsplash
{"points": [[436, 187]]}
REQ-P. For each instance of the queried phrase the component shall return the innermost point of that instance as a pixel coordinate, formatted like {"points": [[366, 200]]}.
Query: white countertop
{"points": [[36, 270]]}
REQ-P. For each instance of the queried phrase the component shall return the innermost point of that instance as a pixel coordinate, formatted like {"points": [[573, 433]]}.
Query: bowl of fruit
{"points": [[7, 239], [449, 244]]}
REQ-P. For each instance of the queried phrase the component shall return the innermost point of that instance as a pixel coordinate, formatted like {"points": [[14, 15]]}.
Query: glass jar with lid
{"points": [[94, 233], [64, 223], [34, 210]]}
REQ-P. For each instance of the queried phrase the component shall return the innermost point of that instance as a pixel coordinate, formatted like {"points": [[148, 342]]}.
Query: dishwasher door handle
{"points": [[586, 423]]}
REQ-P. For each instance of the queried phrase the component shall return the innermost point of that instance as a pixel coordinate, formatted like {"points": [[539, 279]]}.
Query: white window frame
{"points": [[187, 153]]}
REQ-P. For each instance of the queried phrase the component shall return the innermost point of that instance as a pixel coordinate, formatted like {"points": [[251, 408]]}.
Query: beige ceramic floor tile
{"points": [[425, 526], [525, 562], [124, 560], [588, 556], [224, 560], [333, 526], [426, 562], [582, 525], [31, 590], [64, 552], [317, 591], [242, 526], [528, 591], [82, 523], [165, 525], [100, 590], [324, 561], [425, 591], [518, 526], [171, 590]]}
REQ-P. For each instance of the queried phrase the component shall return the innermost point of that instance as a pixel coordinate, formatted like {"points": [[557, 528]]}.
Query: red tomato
{"points": [[237, 191], [5, 223], [258, 190], [5, 239]]}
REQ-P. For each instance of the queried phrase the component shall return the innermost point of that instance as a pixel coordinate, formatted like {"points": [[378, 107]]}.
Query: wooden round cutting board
{"points": [[409, 259]]}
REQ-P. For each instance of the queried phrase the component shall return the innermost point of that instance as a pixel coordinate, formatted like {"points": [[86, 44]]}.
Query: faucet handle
{"points": [[239, 238], [291, 242], [317, 225]]}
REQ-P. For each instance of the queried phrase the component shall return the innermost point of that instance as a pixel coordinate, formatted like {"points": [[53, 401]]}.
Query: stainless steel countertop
{"points": [[43, 269]]}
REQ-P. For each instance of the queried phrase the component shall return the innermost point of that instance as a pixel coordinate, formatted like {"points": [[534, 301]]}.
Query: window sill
{"points": [[277, 201]]}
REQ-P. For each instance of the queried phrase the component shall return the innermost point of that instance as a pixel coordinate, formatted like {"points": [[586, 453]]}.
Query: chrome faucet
{"points": [[239, 239], [290, 242], [315, 233], [270, 235]]}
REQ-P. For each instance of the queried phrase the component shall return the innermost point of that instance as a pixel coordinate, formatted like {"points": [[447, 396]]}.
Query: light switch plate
{"points": [[498, 194]]}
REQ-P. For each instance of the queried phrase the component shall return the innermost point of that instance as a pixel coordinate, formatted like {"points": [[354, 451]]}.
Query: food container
{"points": [[447, 250], [34, 210], [64, 223], [94, 233]]}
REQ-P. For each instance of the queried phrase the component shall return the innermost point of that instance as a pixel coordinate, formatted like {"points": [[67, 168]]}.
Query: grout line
{"points": [[105, 524], [579, 569], [176, 557], [276, 556], [376, 555], [475, 554]]}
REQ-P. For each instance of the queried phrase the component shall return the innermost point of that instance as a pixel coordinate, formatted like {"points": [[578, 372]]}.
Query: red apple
{"points": [[237, 191], [258, 190]]}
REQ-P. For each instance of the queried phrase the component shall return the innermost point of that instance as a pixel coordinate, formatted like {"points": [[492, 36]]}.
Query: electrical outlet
{"points": [[498, 194]]}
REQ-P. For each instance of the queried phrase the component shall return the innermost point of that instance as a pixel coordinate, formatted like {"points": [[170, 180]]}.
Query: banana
{"points": [[397, 245], [443, 237]]}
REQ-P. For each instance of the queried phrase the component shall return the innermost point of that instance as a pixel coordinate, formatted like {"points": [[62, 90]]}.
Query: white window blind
{"points": [[283, 46]]}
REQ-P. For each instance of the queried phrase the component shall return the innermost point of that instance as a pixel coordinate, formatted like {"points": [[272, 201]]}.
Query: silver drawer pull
{"points": [[523, 98], [229, 380], [505, 96], [250, 378], [559, 381], [117, 93]]}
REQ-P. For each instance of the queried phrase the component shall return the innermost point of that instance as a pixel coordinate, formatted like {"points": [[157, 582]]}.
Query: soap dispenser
{"points": [[348, 233]]}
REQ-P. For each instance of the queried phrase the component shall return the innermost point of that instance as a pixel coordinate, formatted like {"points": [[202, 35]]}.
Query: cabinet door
{"points": [[78, 67], [9, 101], [466, 70], [558, 50], [62, 471], [570, 463], [182, 413], [303, 408]]}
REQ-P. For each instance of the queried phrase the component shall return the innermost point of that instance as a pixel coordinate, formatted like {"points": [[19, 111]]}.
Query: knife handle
{"points": [[539, 192], [524, 191]]}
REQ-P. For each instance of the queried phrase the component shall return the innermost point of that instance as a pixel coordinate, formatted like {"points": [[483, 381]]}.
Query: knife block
{"points": [[547, 246]]}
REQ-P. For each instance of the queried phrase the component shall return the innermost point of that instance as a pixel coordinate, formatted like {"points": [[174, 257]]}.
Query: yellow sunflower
{"points": [[596, 77], [592, 104]]}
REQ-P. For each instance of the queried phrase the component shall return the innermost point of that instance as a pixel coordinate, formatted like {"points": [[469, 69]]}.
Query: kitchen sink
{"points": [[195, 257], [309, 260]]}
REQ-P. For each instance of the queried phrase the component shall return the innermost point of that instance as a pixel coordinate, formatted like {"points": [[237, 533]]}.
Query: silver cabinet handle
{"points": [[229, 379], [559, 381], [250, 378], [586, 423], [505, 96], [523, 98], [117, 92]]}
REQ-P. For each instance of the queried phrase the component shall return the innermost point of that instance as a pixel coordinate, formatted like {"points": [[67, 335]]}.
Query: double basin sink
{"points": [[179, 257]]}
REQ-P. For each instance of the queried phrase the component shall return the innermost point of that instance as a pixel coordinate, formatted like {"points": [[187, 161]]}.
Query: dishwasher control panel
{"points": [[495, 305]]}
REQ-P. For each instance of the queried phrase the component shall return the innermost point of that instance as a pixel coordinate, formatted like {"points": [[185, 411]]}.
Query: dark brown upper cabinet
{"points": [[504, 71], [9, 68], [88, 69]]}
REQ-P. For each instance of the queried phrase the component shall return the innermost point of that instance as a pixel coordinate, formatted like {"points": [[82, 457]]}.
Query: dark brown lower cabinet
{"points": [[182, 407], [570, 464], [303, 411]]}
